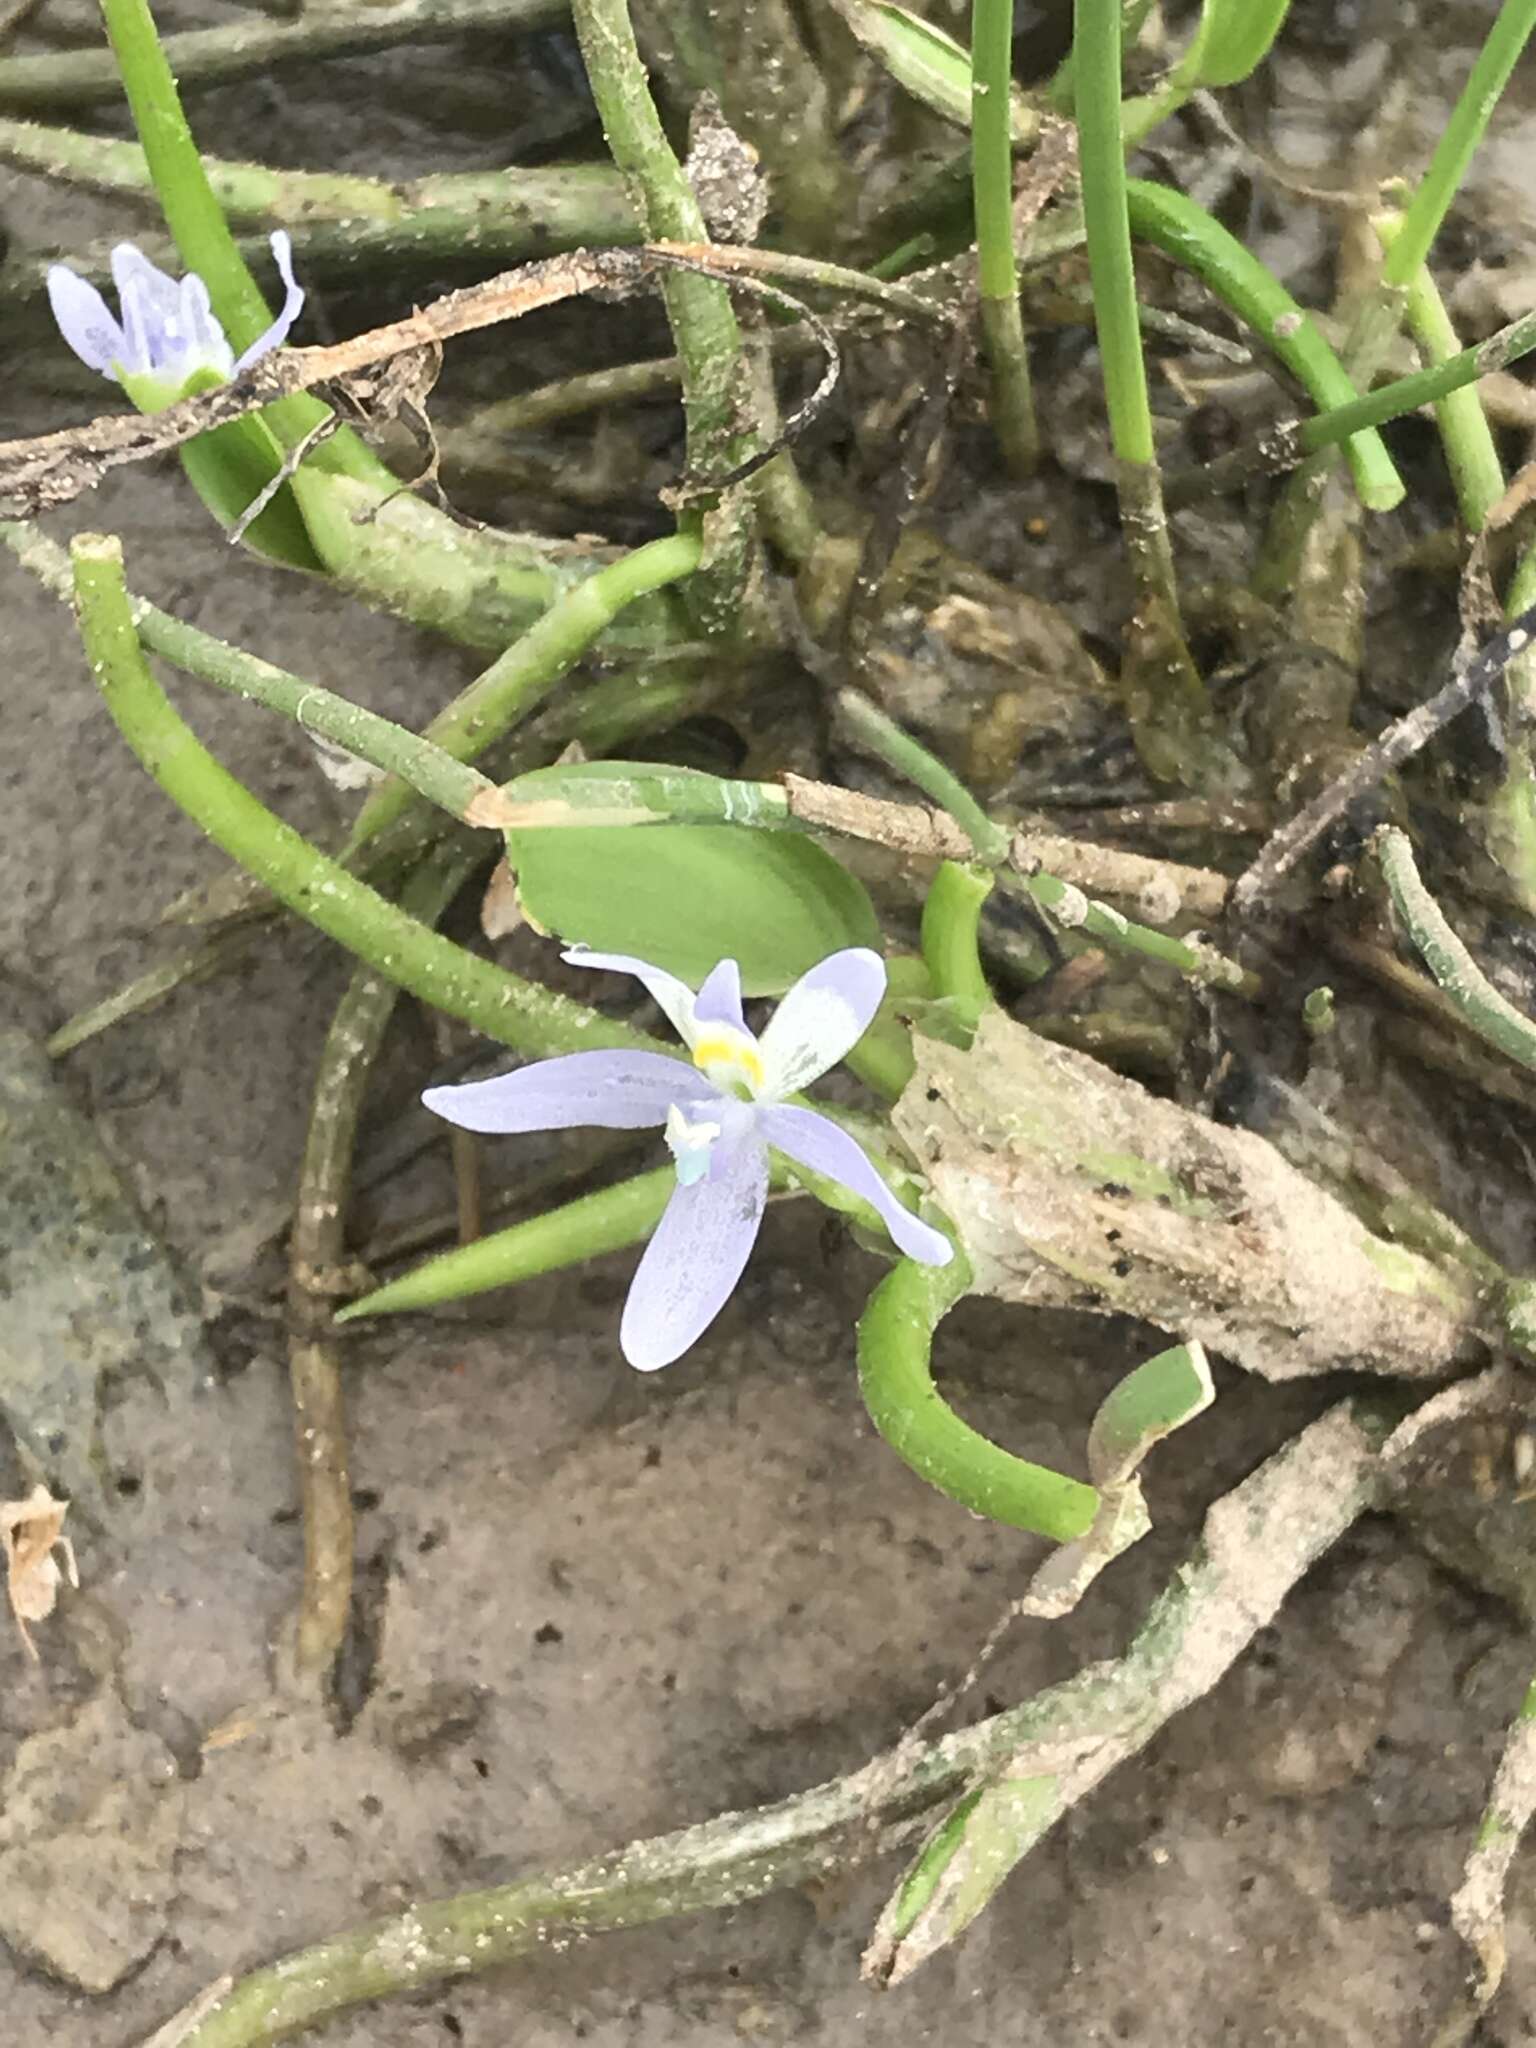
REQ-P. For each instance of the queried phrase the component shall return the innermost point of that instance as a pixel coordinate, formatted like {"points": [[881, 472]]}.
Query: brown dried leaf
{"points": [[31, 1530], [500, 912]]}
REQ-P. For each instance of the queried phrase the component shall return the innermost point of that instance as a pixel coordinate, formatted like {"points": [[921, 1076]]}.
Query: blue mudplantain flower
{"points": [[167, 332], [720, 1118]]}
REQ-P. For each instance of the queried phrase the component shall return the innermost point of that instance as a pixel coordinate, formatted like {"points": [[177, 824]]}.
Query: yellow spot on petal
{"points": [[727, 1055]]}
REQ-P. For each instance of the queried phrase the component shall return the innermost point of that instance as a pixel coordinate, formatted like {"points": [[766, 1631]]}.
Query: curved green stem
{"points": [[894, 745], [1189, 235], [517, 680], [896, 1380], [514, 1012], [1459, 140], [951, 936]]}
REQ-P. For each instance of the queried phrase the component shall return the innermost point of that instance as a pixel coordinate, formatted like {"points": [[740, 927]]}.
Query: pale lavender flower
{"points": [[720, 1117], [168, 330]]}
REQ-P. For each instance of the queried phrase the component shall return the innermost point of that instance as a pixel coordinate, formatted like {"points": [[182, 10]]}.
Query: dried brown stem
{"points": [[1399, 743], [1164, 888], [52, 469]]}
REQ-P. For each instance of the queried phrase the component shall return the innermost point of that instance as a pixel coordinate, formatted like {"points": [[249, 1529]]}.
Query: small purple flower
{"points": [[720, 1117], [168, 330]]}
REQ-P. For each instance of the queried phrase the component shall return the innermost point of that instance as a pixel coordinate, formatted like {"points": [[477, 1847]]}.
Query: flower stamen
{"points": [[690, 1145]]}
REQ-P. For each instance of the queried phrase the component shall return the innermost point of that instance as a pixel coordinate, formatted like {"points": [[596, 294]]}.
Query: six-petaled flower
{"points": [[167, 332], [720, 1117]]}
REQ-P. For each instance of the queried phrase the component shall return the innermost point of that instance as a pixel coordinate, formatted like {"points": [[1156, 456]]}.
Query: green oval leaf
{"points": [[686, 896]]}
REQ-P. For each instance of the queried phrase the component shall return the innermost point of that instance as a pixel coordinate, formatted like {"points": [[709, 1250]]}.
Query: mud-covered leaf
{"points": [[959, 1869], [1073, 1187]]}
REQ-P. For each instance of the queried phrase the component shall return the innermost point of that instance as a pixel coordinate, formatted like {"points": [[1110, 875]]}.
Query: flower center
{"points": [[690, 1145], [729, 1058]]}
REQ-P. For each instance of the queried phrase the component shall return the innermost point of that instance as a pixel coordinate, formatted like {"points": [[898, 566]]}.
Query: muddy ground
{"points": [[608, 1605]]}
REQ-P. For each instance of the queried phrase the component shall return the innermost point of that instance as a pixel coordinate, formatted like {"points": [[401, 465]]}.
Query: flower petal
{"points": [[674, 997], [85, 320], [823, 1016], [199, 341], [150, 301], [625, 1091], [293, 306], [815, 1141], [719, 999], [696, 1254]]}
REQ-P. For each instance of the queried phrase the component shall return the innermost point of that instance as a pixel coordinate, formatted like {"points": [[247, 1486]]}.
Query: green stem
{"points": [[891, 743], [1002, 325], [1192, 958], [699, 309], [607, 1221], [201, 233], [1187, 234], [1101, 150], [514, 1012], [951, 937], [896, 1380], [428, 769], [1421, 222], [251, 49], [1166, 700], [246, 191], [1293, 440], [1382, 315], [1509, 816], [1470, 453], [530, 668], [1482, 1007]]}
